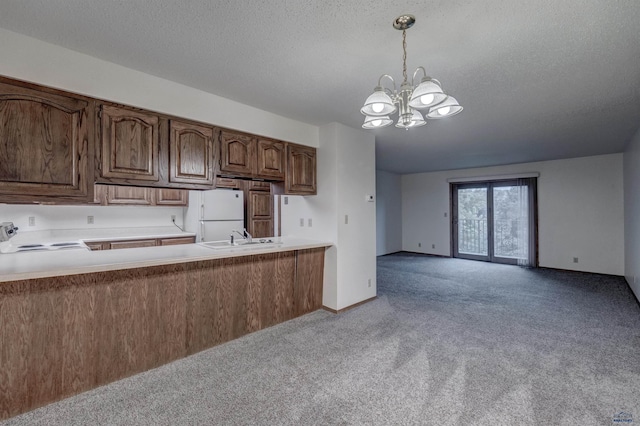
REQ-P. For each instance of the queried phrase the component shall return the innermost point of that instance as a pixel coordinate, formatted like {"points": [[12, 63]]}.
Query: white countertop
{"points": [[41, 264]]}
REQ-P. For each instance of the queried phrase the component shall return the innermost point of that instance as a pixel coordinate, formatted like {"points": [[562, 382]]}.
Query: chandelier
{"points": [[410, 100]]}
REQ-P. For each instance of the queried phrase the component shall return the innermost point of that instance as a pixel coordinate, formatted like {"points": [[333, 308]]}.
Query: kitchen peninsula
{"points": [[72, 323]]}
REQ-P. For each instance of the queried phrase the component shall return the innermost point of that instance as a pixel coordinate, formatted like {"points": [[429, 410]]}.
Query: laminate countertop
{"points": [[42, 264]]}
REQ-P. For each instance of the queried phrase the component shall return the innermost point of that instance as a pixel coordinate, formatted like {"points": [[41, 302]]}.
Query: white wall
{"points": [[388, 212], [580, 211], [346, 174], [26, 58], [75, 217], [632, 214]]}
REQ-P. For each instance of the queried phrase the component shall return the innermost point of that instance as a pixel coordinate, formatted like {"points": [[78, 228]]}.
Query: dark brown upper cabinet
{"points": [[118, 195], [190, 153], [171, 197], [130, 144], [270, 159], [46, 144], [237, 154], [141, 148], [301, 170]]}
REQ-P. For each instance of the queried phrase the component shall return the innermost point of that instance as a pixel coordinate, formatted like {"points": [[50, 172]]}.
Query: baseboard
{"points": [[425, 254], [349, 307], [388, 254]]}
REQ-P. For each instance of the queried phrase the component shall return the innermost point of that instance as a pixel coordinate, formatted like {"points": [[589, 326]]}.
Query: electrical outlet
{"points": [[575, 260], [32, 221], [446, 214], [89, 220], [301, 221], [369, 282], [419, 244], [173, 218], [309, 223], [286, 200], [433, 246]]}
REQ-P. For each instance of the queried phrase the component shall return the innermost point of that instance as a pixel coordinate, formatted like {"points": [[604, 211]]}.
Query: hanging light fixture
{"points": [[409, 100]]}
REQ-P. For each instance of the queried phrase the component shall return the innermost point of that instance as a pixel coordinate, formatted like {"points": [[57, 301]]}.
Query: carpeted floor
{"points": [[448, 342]]}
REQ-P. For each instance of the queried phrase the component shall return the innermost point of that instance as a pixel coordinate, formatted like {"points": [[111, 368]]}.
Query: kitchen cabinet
{"points": [[129, 195], [270, 159], [190, 153], [143, 242], [46, 144], [228, 183], [243, 155], [114, 195], [141, 148], [130, 144], [171, 197], [237, 154], [301, 170], [67, 334], [176, 241], [113, 245], [260, 213]]}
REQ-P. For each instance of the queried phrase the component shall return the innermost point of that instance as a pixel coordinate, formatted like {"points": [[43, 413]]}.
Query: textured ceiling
{"points": [[539, 79]]}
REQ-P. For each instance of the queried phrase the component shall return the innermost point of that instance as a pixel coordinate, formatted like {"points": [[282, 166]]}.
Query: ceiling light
{"points": [[409, 100]]}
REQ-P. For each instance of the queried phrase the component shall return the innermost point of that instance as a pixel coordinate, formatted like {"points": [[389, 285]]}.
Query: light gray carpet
{"points": [[448, 342]]}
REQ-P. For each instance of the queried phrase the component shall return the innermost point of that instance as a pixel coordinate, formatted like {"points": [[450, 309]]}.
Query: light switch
{"points": [[301, 221], [346, 219]]}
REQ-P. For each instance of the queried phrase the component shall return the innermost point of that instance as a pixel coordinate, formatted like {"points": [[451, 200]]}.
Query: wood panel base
{"points": [[65, 335]]}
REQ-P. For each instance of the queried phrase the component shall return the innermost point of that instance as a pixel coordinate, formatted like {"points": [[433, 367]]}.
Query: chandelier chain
{"points": [[404, 55]]}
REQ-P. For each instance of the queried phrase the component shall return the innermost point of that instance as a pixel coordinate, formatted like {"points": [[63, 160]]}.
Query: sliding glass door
{"points": [[495, 221]]}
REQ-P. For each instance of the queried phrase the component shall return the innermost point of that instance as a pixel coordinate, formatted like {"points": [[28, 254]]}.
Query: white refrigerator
{"points": [[214, 214]]}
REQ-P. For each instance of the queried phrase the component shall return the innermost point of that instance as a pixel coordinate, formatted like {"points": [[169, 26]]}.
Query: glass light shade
{"points": [[371, 122], [417, 120], [446, 108], [378, 104], [428, 93]]}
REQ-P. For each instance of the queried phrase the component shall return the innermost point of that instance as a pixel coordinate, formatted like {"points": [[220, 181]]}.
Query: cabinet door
{"points": [[46, 144], [260, 214], [129, 195], [172, 197], [176, 241], [255, 185], [131, 244], [271, 159], [191, 153], [237, 154], [301, 170], [223, 182], [130, 144]]}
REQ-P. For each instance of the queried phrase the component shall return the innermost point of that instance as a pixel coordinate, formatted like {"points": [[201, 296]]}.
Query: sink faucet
{"points": [[244, 234]]}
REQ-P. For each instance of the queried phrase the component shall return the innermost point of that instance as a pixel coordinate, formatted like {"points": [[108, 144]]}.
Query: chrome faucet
{"points": [[244, 234]]}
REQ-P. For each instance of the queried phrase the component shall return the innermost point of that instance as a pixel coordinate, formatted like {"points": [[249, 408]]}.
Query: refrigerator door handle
{"points": [[201, 231]]}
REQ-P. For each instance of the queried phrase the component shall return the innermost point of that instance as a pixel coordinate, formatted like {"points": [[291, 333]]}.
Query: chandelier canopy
{"points": [[410, 100]]}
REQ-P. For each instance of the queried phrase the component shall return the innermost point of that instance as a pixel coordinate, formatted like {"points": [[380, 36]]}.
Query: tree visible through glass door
{"points": [[492, 221], [472, 221]]}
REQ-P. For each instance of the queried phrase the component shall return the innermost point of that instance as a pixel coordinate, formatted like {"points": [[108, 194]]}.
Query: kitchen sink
{"points": [[241, 245]]}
